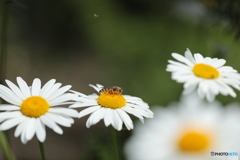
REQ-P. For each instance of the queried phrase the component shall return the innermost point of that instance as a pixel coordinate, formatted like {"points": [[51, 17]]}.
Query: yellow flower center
{"points": [[113, 101], [194, 141], [205, 71], [34, 106]]}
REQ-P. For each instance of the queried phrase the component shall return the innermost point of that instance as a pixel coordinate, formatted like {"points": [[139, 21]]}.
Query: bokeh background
{"points": [[122, 43]]}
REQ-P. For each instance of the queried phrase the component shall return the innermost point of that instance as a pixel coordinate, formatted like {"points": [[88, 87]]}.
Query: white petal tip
{"points": [[80, 115]]}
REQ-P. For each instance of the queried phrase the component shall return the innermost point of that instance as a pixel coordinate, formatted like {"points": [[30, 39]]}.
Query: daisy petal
{"points": [[23, 87], [20, 128], [117, 121], [8, 107], [15, 90], [126, 119], [40, 131], [23, 135], [61, 120], [83, 104], [108, 117], [52, 90], [36, 86], [51, 124], [47, 87], [62, 98], [134, 112], [181, 59], [88, 111], [8, 115], [11, 123], [9, 96], [64, 111], [78, 93], [219, 63], [59, 92], [189, 56], [31, 128], [97, 115], [96, 87]]}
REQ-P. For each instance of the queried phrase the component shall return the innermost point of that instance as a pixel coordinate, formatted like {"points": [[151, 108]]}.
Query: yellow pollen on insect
{"points": [[194, 141], [34, 106], [205, 71], [109, 100]]}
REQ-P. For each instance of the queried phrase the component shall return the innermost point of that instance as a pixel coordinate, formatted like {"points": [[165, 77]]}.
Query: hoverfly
{"points": [[111, 90]]}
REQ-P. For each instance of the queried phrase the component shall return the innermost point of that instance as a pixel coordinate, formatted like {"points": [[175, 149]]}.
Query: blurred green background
{"points": [[122, 43]]}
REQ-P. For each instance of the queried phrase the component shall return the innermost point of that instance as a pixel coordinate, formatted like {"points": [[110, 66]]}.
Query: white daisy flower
{"points": [[189, 130], [207, 75], [112, 107], [32, 108]]}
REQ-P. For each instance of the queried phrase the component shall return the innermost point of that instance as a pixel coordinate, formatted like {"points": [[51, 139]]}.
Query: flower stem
{"points": [[115, 146], [6, 147], [41, 147], [3, 41]]}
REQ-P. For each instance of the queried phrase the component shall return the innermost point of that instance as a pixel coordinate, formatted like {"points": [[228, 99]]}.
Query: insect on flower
{"points": [[111, 106], [111, 90]]}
